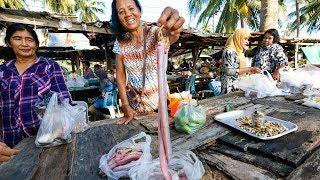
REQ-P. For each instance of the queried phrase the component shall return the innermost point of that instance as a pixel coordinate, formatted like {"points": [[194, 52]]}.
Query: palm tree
{"points": [[232, 12], [88, 9], [61, 6], [12, 4], [269, 15], [309, 16]]}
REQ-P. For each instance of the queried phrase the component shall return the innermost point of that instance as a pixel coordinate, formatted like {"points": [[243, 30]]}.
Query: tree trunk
{"points": [[298, 18], [241, 21], [269, 15]]}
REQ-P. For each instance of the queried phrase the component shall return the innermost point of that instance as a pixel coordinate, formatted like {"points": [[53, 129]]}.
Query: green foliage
{"points": [[309, 16], [12, 4], [232, 11], [88, 9]]}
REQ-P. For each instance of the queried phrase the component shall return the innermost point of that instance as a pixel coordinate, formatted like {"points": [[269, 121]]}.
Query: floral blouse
{"points": [[230, 71], [133, 62], [270, 58]]}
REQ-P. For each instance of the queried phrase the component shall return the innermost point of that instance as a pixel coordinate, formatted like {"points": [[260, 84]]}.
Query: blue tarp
{"points": [[312, 53]]}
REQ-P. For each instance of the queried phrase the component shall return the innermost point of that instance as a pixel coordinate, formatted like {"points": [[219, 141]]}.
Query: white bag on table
{"points": [[183, 164], [259, 86], [138, 143], [58, 121]]}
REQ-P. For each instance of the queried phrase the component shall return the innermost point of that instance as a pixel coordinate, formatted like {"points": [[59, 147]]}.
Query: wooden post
{"points": [[296, 49], [195, 54]]}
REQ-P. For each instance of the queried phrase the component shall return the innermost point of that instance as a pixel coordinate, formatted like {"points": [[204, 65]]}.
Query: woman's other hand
{"points": [[129, 114], [255, 70], [6, 152], [172, 23]]}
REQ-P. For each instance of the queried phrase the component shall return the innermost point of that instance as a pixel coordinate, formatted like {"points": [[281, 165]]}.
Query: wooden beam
{"points": [[49, 23]]}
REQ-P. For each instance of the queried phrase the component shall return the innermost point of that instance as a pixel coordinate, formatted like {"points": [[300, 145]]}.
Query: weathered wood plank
{"points": [[55, 162], [256, 159], [293, 148], [123, 132], [235, 169], [23, 165], [211, 172], [310, 169], [217, 104], [90, 146], [203, 136]]}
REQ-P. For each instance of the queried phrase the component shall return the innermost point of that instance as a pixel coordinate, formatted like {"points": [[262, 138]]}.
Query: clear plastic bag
{"points": [[55, 127], [182, 165], [189, 117], [295, 81], [58, 121], [259, 86], [114, 168]]}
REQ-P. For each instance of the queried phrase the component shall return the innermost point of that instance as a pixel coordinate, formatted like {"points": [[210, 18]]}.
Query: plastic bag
{"points": [[138, 143], [78, 115], [58, 121], [183, 164], [312, 101], [259, 86], [295, 81], [74, 80], [189, 117], [55, 127], [175, 100]]}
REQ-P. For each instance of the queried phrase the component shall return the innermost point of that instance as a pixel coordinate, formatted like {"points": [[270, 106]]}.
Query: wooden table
{"points": [[225, 152]]}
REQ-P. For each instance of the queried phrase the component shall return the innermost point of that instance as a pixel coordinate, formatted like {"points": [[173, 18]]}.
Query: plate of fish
{"points": [[257, 124]]}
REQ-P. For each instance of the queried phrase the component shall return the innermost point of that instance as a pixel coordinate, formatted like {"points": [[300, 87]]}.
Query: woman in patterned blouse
{"points": [[130, 54], [270, 57], [234, 64], [24, 82]]}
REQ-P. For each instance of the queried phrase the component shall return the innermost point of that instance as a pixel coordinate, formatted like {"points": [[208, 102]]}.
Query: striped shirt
{"points": [[133, 58], [19, 94]]}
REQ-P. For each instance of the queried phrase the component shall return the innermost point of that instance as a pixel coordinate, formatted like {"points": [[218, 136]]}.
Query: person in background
{"points": [[130, 54], [25, 81], [107, 98], [101, 74], [87, 71], [185, 65], [270, 56], [234, 63]]}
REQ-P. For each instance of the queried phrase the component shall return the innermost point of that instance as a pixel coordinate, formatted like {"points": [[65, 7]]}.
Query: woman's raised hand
{"points": [[171, 22]]}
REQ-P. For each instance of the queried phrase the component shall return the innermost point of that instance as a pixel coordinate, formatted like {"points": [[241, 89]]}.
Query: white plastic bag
{"points": [[74, 80], [295, 81], [183, 164], [78, 113], [259, 86], [55, 127], [138, 143], [59, 121], [312, 101]]}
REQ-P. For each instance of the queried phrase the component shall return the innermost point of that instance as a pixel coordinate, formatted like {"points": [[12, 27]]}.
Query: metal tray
{"points": [[229, 118]]}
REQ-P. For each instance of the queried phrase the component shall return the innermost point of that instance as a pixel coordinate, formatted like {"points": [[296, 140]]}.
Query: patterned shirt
{"points": [[270, 58], [19, 94], [230, 71], [133, 58]]}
